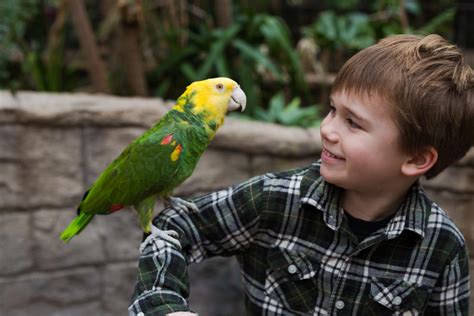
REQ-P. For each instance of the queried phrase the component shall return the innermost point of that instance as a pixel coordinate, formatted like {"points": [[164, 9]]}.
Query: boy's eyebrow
{"points": [[355, 115]]}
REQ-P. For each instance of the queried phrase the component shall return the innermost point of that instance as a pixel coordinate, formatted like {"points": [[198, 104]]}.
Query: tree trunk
{"points": [[223, 11], [95, 66], [131, 51], [403, 16], [133, 61]]}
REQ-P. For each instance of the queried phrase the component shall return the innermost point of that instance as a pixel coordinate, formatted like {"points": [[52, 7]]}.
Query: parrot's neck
{"points": [[210, 122], [195, 105]]}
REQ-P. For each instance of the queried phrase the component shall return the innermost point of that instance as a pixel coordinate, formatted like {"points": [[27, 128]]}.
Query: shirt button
{"points": [[397, 300], [340, 304], [140, 314], [292, 269]]}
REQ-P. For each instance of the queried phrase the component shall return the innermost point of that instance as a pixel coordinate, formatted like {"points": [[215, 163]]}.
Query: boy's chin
{"points": [[330, 177]]}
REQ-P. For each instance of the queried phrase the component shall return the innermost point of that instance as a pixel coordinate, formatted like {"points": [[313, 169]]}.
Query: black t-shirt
{"points": [[362, 228]]}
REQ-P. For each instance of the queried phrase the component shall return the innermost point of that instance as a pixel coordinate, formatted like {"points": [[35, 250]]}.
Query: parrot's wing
{"points": [[152, 164]]}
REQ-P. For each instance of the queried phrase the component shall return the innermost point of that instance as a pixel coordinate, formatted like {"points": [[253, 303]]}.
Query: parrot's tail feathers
{"points": [[76, 226]]}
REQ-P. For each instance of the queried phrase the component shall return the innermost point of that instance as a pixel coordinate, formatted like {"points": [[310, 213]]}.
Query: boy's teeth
{"points": [[331, 155]]}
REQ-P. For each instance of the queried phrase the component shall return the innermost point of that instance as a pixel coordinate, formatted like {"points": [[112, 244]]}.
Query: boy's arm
{"points": [[451, 293], [224, 223], [161, 286]]}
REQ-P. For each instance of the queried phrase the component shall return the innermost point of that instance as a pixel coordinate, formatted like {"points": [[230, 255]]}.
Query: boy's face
{"points": [[360, 143]]}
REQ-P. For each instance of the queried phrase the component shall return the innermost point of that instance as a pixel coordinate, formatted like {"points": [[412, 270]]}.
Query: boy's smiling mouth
{"points": [[327, 155]]}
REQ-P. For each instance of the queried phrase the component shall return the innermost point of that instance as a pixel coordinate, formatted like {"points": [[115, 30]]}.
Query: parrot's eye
{"points": [[220, 87]]}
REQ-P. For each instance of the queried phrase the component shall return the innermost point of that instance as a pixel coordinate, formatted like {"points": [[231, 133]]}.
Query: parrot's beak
{"points": [[238, 100]]}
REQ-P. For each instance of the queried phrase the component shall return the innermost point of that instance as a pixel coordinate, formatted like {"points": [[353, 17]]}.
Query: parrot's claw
{"points": [[159, 236], [182, 205]]}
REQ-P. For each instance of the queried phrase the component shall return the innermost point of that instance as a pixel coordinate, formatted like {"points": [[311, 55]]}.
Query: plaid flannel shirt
{"points": [[297, 254]]}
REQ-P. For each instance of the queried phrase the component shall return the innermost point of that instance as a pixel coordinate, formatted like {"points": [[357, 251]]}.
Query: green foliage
{"points": [[439, 24], [351, 31], [354, 30], [254, 49], [12, 30], [24, 47], [291, 114]]}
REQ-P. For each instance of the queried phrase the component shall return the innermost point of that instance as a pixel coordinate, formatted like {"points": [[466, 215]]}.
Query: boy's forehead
{"points": [[361, 99], [367, 105]]}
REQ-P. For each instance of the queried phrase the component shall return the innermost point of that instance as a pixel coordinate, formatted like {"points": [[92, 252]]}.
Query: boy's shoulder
{"points": [[440, 233], [440, 224]]}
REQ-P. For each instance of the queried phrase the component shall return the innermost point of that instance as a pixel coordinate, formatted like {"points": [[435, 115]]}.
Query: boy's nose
{"points": [[328, 133]]}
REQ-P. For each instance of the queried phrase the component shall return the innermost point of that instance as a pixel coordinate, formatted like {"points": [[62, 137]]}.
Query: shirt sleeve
{"points": [[451, 293], [225, 223]]}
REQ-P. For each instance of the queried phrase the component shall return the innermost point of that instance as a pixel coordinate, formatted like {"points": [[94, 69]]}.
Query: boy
{"points": [[354, 233]]}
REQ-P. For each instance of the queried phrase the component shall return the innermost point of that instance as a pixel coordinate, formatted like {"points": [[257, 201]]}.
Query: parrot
{"points": [[159, 160]]}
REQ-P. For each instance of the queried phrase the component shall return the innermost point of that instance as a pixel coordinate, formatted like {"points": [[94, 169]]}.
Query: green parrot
{"points": [[162, 158]]}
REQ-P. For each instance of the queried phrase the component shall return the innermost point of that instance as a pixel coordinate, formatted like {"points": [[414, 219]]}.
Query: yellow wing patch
{"points": [[176, 152]]}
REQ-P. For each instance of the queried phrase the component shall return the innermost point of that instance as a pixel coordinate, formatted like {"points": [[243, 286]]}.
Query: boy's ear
{"points": [[418, 164]]}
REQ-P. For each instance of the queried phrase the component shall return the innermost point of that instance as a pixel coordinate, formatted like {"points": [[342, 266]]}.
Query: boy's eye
{"points": [[352, 123], [332, 109]]}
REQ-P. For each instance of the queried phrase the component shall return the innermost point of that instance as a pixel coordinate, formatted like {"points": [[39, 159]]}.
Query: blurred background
{"points": [[284, 53], [99, 74]]}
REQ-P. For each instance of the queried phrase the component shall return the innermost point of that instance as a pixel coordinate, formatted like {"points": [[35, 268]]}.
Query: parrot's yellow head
{"points": [[212, 99]]}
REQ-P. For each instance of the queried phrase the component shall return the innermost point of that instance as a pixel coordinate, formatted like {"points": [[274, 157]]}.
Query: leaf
{"points": [[162, 88], [188, 70], [413, 7], [291, 114], [442, 18], [326, 28], [216, 49], [277, 36], [248, 84], [222, 68], [277, 104], [173, 60], [262, 115], [258, 57], [33, 66]]}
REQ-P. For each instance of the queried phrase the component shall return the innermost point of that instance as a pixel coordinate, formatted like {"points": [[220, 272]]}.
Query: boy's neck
{"points": [[372, 206]]}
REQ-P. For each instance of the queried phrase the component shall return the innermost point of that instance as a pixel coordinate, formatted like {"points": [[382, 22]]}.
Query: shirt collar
{"points": [[412, 214], [323, 196]]}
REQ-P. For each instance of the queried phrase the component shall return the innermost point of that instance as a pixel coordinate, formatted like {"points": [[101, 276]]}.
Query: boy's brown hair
{"points": [[428, 85]]}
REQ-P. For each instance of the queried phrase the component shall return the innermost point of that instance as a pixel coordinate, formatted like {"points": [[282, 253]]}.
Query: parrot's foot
{"points": [[180, 204], [159, 237]]}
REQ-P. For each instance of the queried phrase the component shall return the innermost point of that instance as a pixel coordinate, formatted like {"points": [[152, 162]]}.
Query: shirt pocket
{"points": [[397, 297], [290, 280]]}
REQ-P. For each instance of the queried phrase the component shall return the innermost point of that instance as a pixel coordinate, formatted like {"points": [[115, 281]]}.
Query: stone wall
{"points": [[52, 146]]}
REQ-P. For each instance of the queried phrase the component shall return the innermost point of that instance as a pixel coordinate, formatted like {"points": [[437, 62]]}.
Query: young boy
{"points": [[354, 233]]}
